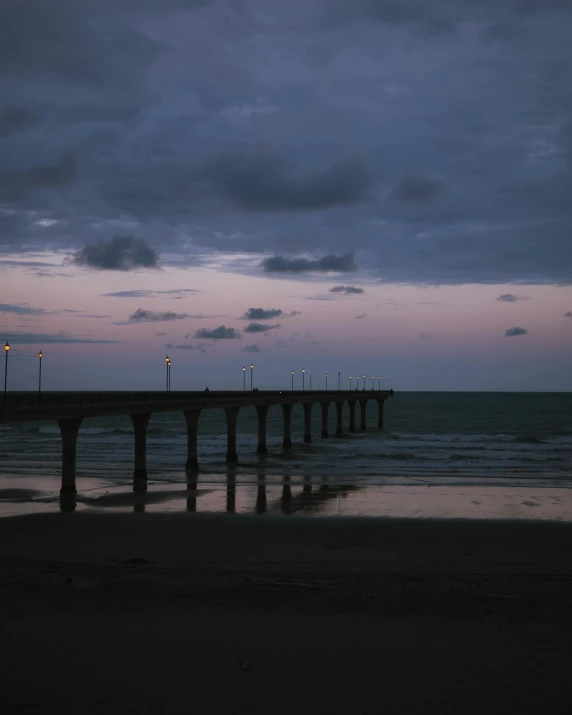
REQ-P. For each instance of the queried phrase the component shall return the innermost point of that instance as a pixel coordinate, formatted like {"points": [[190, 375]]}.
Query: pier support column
{"points": [[192, 420], [68, 429], [140, 423], [352, 406], [362, 404], [339, 426], [231, 413], [325, 406], [307, 422], [262, 411], [287, 412], [380, 404]]}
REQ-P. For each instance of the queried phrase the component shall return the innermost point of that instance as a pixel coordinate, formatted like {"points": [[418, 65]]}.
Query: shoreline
{"points": [[20, 496]]}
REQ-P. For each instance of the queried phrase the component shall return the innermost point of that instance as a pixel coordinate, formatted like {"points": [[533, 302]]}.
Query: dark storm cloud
{"points": [[45, 338], [568, 314], [185, 346], [25, 309], [70, 41], [220, 333], [175, 293], [120, 253], [475, 91], [260, 327], [513, 332], [251, 349], [16, 183], [20, 309], [360, 316], [347, 290], [259, 182], [511, 298], [262, 314], [16, 119], [152, 316], [416, 188], [326, 264]]}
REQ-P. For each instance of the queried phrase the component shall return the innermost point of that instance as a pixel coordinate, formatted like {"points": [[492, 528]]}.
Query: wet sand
{"points": [[108, 612]]}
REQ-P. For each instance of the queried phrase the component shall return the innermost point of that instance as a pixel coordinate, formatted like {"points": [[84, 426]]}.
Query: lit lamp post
{"points": [[363, 388], [338, 381], [350, 382], [326, 382], [6, 349], [357, 381], [40, 356], [303, 376], [251, 373], [244, 379], [167, 374], [292, 380], [379, 382], [372, 383]]}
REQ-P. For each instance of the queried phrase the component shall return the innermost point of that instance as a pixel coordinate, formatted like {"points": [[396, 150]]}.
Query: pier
{"points": [[69, 409]]}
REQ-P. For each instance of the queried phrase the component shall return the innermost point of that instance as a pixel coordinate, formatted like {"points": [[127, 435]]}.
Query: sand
{"points": [[104, 612]]}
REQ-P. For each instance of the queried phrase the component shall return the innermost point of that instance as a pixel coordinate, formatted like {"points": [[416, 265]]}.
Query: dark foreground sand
{"points": [[193, 613]]}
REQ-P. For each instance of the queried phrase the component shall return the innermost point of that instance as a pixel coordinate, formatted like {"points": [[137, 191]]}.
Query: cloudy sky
{"points": [[376, 187]]}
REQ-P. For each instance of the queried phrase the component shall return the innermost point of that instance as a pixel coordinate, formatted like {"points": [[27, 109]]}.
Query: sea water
{"points": [[471, 440]]}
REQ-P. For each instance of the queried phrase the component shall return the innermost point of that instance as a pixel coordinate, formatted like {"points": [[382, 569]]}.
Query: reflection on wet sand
{"points": [[231, 490], [306, 501]]}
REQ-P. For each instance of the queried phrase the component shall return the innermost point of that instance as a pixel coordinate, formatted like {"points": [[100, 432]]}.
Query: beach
{"points": [[139, 612]]}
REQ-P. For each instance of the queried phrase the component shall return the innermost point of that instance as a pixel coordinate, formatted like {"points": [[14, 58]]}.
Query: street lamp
{"points": [[350, 382], [363, 388], [40, 356], [357, 380], [338, 381], [167, 374], [292, 380], [244, 379], [379, 383], [303, 375], [251, 371], [372, 383], [326, 382], [6, 348]]}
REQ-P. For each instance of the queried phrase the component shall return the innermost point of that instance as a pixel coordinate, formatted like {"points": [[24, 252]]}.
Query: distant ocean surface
{"points": [[437, 439]]}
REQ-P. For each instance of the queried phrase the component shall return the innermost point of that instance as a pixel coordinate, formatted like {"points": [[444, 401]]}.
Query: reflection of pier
{"points": [[71, 408]]}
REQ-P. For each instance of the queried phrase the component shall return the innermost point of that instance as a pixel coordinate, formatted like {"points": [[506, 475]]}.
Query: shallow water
{"points": [[461, 440]]}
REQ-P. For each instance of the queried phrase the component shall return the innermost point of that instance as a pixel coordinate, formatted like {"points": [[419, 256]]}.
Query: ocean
{"points": [[431, 439]]}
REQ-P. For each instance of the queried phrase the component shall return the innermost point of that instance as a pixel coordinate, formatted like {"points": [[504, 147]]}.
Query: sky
{"points": [[374, 187]]}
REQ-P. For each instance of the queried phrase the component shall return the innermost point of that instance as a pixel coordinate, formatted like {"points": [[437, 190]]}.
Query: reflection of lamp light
{"points": [[244, 379], [303, 375], [6, 350], [40, 355]]}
